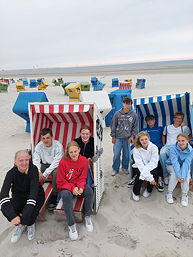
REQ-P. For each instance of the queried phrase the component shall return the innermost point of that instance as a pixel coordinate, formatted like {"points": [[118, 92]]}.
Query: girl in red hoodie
{"points": [[71, 181]]}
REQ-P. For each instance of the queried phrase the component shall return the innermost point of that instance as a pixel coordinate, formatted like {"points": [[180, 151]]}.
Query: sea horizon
{"points": [[135, 67]]}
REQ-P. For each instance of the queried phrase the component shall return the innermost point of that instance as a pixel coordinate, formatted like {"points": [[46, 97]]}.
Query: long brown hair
{"points": [[72, 143], [137, 138]]}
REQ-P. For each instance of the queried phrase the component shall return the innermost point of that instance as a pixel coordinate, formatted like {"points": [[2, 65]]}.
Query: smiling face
{"points": [[182, 142], [73, 152], [144, 141], [85, 135], [22, 162], [178, 119], [47, 140]]}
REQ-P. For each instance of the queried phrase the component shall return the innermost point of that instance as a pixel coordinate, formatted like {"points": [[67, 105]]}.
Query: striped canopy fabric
{"points": [[163, 108], [65, 120]]}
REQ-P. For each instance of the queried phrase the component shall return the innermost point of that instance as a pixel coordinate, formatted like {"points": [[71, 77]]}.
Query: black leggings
{"points": [[22, 209], [139, 182]]}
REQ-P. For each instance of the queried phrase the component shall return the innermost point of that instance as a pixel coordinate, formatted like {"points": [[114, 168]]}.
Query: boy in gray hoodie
{"points": [[123, 130]]}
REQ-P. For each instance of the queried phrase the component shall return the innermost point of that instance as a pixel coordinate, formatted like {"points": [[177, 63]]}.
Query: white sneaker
{"points": [[125, 171], [166, 181], [184, 200], [113, 173], [146, 193], [135, 197], [73, 234], [31, 232], [169, 198], [88, 223], [17, 233]]}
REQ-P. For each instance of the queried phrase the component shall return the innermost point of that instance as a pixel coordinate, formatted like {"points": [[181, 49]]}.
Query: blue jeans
{"points": [[67, 198], [164, 155], [121, 144]]}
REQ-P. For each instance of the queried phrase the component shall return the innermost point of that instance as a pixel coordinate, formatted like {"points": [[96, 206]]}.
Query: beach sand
{"points": [[122, 227]]}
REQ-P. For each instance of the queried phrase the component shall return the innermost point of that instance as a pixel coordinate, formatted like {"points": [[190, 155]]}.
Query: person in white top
{"points": [[46, 157], [146, 157], [169, 137]]}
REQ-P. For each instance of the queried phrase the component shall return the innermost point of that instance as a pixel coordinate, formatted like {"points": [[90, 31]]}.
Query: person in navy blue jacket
{"points": [[178, 166], [22, 208]]}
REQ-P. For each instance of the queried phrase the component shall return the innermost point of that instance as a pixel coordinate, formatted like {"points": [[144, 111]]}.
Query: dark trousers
{"points": [[67, 198], [139, 182], [54, 173], [27, 212]]}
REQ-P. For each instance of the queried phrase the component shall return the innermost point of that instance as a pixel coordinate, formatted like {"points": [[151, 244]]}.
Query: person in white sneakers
{"points": [[47, 155], [178, 166], [27, 198], [145, 155], [169, 138], [71, 181]]}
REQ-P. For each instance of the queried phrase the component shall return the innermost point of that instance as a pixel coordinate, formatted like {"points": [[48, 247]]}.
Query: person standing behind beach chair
{"points": [[46, 157], [146, 157], [155, 134], [178, 166], [123, 130], [86, 143], [169, 136], [27, 197]]}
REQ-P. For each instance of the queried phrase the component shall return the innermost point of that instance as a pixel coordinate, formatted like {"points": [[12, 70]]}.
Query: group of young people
{"points": [[69, 172], [160, 155]]}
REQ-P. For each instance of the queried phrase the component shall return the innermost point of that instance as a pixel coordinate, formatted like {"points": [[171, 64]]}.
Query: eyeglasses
{"points": [[178, 118]]}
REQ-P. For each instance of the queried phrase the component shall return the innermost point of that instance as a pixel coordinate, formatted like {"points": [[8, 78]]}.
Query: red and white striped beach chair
{"points": [[65, 120]]}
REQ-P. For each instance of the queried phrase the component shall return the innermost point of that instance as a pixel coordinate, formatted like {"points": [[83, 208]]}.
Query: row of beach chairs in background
{"points": [[72, 89]]}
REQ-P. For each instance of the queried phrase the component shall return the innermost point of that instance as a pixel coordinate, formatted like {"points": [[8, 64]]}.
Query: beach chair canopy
{"points": [[163, 108], [65, 120]]}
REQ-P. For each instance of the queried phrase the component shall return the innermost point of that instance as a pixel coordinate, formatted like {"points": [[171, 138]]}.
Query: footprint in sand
{"points": [[121, 237]]}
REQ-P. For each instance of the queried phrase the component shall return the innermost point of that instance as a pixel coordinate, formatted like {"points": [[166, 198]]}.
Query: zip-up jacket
{"points": [[24, 186], [87, 149], [146, 161], [180, 160], [124, 125], [72, 174], [48, 155]]}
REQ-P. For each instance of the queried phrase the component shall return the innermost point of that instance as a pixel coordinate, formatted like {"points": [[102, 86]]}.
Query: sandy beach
{"points": [[122, 227]]}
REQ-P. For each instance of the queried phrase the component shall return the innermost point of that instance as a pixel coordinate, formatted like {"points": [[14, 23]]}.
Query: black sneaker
{"points": [[160, 186], [131, 182]]}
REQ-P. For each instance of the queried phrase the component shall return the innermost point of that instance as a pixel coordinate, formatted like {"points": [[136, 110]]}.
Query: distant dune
{"points": [[145, 67]]}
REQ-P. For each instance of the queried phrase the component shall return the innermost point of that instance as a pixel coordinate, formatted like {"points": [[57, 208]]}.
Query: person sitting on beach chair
{"points": [[178, 167], [169, 136], [86, 144], [71, 181], [46, 157], [27, 197], [146, 157]]}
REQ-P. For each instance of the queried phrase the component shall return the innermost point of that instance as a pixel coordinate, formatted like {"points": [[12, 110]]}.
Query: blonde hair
{"points": [[72, 143], [20, 152], [183, 135], [137, 138]]}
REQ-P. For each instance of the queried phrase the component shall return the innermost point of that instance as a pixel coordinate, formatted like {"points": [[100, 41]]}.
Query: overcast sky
{"points": [[57, 33]]}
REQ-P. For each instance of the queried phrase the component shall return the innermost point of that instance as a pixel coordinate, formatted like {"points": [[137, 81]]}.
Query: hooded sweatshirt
{"points": [[180, 160], [146, 160], [124, 125]]}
